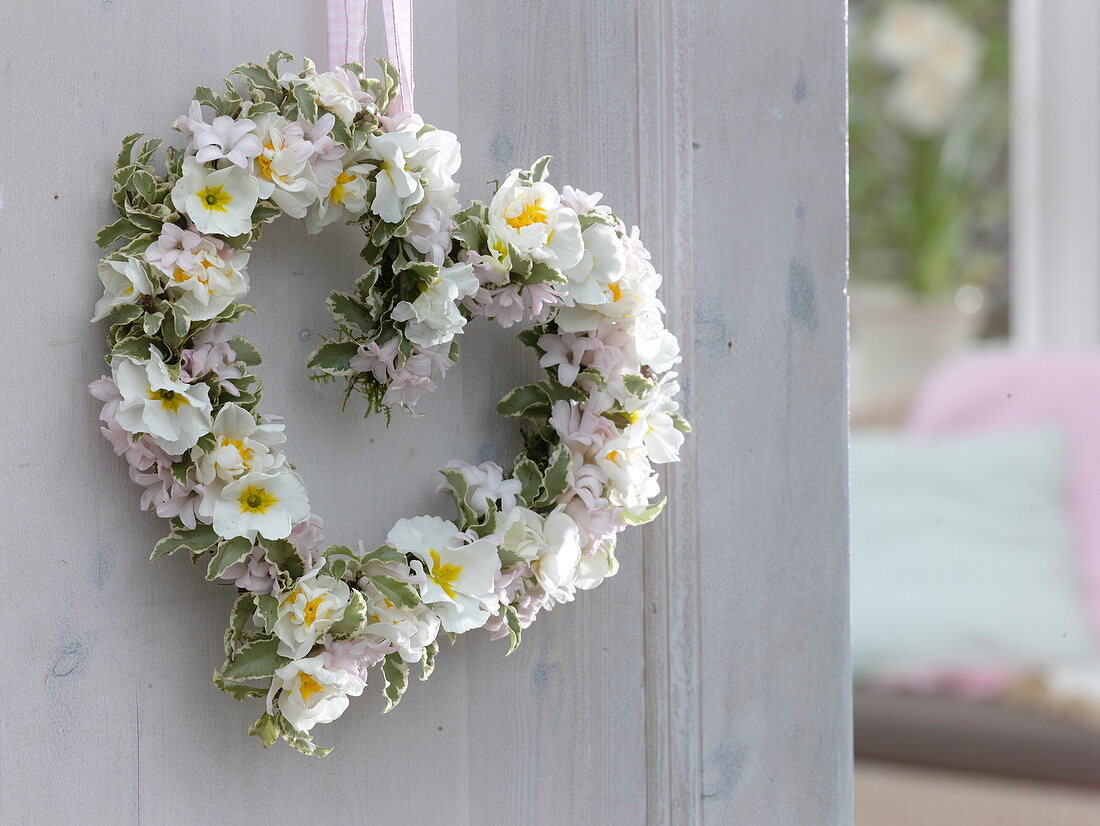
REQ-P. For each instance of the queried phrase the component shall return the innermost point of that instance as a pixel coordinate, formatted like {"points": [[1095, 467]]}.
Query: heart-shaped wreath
{"points": [[181, 401]]}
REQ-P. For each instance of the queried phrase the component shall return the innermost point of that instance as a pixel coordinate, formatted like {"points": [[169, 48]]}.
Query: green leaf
{"points": [[259, 79], [542, 273], [530, 479], [255, 660], [556, 477], [181, 468], [307, 103], [427, 661], [645, 515], [344, 306], [511, 618], [229, 552], [637, 385], [150, 323], [399, 593], [538, 169], [334, 356], [300, 739], [243, 609], [354, 619], [524, 401], [267, 609], [144, 185], [200, 539], [275, 58], [386, 554], [122, 228], [284, 556], [680, 423], [238, 691], [207, 442], [265, 212], [395, 672], [246, 351], [457, 488], [267, 729]]}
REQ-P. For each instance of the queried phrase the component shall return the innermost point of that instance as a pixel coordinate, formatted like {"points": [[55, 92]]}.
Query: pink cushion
{"points": [[1005, 389]]}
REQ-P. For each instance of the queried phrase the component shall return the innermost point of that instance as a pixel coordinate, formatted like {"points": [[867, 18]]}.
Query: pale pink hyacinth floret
{"points": [[210, 353], [356, 656], [175, 248], [581, 426], [167, 496], [486, 483], [325, 154], [222, 138], [253, 573], [140, 453], [407, 383], [566, 352], [527, 603], [581, 202], [150, 466], [376, 359]]}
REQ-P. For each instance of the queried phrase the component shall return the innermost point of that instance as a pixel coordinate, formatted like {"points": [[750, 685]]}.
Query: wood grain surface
{"points": [[705, 684]]}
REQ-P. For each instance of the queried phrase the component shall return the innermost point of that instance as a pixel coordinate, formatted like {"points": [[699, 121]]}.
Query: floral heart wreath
{"points": [[309, 623]]}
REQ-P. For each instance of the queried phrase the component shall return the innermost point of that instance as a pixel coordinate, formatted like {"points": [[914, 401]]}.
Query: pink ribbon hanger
{"points": [[347, 40]]}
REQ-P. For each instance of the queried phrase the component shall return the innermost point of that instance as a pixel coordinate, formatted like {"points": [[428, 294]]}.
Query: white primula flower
{"points": [[631, 478], [530, 218], [460, 577], [437, 159], [174, 414], [346, 199], [215, 279], [595, 568], [550, 545], [308, 693], [433, 317], [124, 282], [634, 292], [602, 263], [334, 94], [282, 167], [240, 446], [650, 343], [651, 423], [409, 630], [216, 200], [396, 188], [268, 504], [307, 612]]}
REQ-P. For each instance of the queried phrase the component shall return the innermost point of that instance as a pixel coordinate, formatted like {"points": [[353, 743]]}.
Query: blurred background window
{"points": [[975, 392]]}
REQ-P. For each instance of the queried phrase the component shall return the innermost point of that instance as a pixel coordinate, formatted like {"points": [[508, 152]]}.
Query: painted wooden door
{"points": [[705, 684]]}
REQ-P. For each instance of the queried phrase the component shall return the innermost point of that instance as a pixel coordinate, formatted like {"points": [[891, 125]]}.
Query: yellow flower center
{"points": [[444, 576], [339, 191], [246, 452], [256, 500], [214, 198], [263, 160], [169, 399], [308, 686], [616, 291], [613, 456], [533, 213], [309, 613]]}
